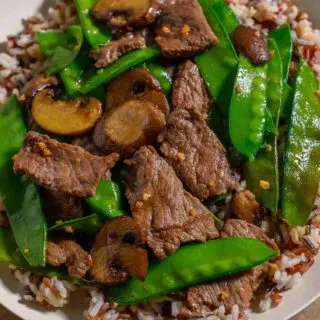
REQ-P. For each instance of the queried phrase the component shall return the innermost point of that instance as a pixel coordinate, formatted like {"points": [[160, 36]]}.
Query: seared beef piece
{"points": [[117, 48], [70, 253], [182, 29], [61, 206], [196, 154], [86, 142], [238, 290], [61, 167], [245, 206], [251, 43], [4, 221], [165, 212], [241, 228], [189, 90]]}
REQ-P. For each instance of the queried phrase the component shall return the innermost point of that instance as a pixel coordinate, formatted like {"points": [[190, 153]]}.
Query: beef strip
{"points": [[165, 212], [61, 206], [61, 167], [237, 290], [86, 142], [70, 253], [196, 154], [189, 90], [251, 43], [117, 48], [182, 29]]}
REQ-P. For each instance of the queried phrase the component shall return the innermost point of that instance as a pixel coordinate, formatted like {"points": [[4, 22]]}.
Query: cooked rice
{"points": [[23, 60]]}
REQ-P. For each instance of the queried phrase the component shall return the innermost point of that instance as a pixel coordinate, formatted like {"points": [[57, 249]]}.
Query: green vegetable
{"points": [[302, 150], [248, 108], [287, 96], [161, 74], [227, 17], [97, 34], [62, 48], [266, 165], [218, 66], [283, 39], [124, 63], [9, 253], [90, 225], [20, 196], [193, 264], [107, 200]]}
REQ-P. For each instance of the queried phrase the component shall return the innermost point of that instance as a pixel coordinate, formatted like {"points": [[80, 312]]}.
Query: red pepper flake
{"points": [[276, 297]]}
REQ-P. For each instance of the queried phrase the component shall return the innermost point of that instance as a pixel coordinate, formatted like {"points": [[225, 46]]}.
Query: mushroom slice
{"points": [[133, 84], [114, 248], [128, 127], [123, 13], [65, 117]]}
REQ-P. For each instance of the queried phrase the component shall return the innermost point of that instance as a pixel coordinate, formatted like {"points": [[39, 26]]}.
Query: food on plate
{"points": [[162, 156]]}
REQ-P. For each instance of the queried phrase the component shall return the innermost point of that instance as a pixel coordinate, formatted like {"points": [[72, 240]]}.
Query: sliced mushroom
{"points": [[116, 254], [65, 117], [251, 43], [128, 127], [123, 13]]}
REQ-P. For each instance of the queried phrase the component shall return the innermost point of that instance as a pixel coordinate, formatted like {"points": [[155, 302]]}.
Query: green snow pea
{"points": [[266, 165], [97, 34], [287, 97], [90, 225], [160, 73], [302, 149], [107, 200], [124, 63], [248, 108], [218, 66], [227, 17], [61, 47], [20, 195], [283, 39], [193, 264], [10, 254]]}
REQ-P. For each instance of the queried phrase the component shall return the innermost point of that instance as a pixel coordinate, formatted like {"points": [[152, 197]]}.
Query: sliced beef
{"points": [[182, 29], [61, 206], [165, 212], [189, 90], [196, 154], [86, 142], [61, 167], [117, 48], [251, 43], [70, 253], [237, 290]]}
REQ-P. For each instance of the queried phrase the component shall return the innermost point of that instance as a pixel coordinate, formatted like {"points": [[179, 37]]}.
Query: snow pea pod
{"points": [[124, 63], [160, 73], [20, 195], [193, 264], [97, 34], [265, 167], [302, 149], [227, 17], [107, 200], [283, 39], [248, 107], [61, 47], [10, 254], [218, 66], [89, 225]]}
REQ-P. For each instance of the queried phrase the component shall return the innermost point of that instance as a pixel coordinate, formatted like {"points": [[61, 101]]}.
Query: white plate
{"points": [[11, 13]]}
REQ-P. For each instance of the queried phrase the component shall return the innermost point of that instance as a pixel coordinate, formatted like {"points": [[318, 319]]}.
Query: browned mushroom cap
{"points": [[65, 117], [251, 43], [123, 13], [136, 84], [117, 236], [128, 127], [39, 83]]}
